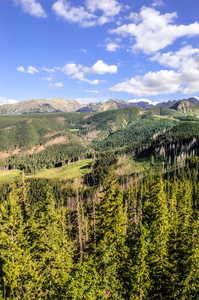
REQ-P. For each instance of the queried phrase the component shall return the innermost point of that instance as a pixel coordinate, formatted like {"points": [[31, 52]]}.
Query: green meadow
{"points": [[9, 175], [73, 170]]}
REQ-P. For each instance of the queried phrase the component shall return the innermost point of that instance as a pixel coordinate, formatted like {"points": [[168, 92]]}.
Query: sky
{"points": [[94, 50]]}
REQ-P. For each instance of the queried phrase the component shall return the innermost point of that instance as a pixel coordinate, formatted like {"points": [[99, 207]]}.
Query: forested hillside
{"points": [[138, 243], [100, 205]]}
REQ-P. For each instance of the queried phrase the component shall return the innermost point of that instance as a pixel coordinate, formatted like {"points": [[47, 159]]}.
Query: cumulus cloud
{"points": [[85, 15], [135, 17], [4, 100], [155, 31], [80, 75], [32, 7], [152, 83], [30, 70], [186, 61], [143, 100], [101, 68], [79, 72], [184, 79], [63, 9], [108, 7], [70, 69], [112, 47], [178, 59]]}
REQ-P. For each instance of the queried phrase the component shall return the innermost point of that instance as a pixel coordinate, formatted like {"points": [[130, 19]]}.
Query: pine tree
{"points": [[85, 281], [173, 239], [111, 221], [159, 228], [191, 282], [15, 257], [185, 220], [112, 251], [141, 282], [50, 250]]}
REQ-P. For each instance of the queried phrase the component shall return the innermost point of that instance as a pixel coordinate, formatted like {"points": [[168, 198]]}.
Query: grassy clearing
{"points": [[128, 166], [73, 170], [9, 175]]}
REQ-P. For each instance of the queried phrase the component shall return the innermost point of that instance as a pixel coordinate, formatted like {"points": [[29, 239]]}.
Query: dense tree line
{"points": [[140, 243], [54, 156]]}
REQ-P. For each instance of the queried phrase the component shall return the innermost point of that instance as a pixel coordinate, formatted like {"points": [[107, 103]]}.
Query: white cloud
{"points": [[158, 3], [101, 68], [59, 84], [4, 100], [108, 7], [21, 69], [152, 83], [186, 61], [80, 76], [85, 15], [155, 31], [111, 47], [177, 59], [52, 70], [79, 72], [184, 79], [135, 17], [143, 100], [63, 9], [70, 69], [30, 70], [32, 7]]}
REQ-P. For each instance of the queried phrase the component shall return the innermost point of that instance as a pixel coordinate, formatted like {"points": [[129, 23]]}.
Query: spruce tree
{"points": [[191, 281], [15, 257], [50, 249], [141, 282], [112, 252], [158, 225]]}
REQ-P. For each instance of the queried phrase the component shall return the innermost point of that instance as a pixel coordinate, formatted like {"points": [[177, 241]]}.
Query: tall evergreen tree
{"points": [[158, 225], [50, 250], [15, 258], [141, 282], [112, 251], [191, 281], [185, 228]]}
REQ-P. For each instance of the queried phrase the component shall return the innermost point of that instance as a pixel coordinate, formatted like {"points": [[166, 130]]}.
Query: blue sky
{"points": [[94, 50]]}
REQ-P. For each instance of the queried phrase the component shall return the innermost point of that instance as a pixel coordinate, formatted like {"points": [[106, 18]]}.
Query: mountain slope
{"points": [[40, 106], [61, 105], [186, 108]]}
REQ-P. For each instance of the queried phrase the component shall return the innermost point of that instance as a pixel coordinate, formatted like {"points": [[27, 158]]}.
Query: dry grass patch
{"points": [[61, 120], [50, 134], [9, 127], [63, 139]]}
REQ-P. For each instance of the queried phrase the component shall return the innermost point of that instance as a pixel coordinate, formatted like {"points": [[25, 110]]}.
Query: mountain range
{"points": [[61, 105]]}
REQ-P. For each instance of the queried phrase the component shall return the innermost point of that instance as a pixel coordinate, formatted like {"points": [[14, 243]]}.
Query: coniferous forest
{"points": [[127, 228]]}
